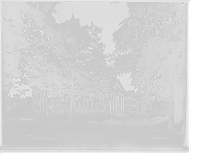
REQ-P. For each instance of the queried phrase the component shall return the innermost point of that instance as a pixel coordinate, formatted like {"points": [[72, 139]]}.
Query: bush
{"points": [[25, 117], [93, 122], [113, 121], [160, 117], [73, 114], [126, 114]]}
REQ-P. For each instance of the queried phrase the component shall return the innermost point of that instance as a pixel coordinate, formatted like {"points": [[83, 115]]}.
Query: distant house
{"points": [[134, 105], [115, 100], [21, 103]]}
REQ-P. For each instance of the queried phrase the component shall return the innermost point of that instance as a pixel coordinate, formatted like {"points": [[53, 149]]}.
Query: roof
{"points": [[121, 85]]}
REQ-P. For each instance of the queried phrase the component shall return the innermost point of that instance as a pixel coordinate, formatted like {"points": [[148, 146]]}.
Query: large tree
{"points": [[153, 41], [71, 65], [17, 19]]}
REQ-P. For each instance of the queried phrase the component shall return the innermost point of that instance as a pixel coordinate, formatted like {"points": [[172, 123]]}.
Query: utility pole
{"points": [[71, 95]]}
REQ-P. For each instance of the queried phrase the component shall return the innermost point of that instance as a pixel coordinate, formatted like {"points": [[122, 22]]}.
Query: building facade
{"points": [[44, 106], [134, 105]]}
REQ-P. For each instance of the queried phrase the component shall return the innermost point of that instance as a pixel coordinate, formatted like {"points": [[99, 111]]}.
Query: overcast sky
{"points": [[103, 14]]}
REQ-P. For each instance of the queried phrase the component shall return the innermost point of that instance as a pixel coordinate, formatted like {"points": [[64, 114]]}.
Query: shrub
{"points": [[93, 122], [160, 117], [126, 114], [73, 114], [25, 117], [113, 121]]}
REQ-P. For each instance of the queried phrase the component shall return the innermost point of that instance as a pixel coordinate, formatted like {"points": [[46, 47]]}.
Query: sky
{"points": [[104, 15]]}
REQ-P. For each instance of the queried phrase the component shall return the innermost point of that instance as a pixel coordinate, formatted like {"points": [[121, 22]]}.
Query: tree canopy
{"points": [[152, 42], [17, 18], [71, 65]]}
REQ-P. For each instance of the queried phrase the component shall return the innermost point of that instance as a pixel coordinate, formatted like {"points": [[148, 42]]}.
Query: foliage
{"points": [[26, 117], [8, 103], [113, 121], [154, 39], [93, 122], [71, 65], [17, 18]]}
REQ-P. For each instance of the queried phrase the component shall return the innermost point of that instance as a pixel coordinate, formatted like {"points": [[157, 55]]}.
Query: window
{"points": [[76, 103], [89, 103], [85, 103]]}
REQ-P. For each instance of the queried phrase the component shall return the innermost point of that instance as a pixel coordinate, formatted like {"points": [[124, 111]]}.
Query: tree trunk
{"points": [[171, 106]]}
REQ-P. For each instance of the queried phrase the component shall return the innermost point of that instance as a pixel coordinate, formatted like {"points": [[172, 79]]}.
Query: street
{"points": [[27, 134]]}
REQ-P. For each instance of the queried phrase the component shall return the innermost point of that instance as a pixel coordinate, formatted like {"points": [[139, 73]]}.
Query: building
{"points": [[44, 106], [134, 105], [21, 103]]}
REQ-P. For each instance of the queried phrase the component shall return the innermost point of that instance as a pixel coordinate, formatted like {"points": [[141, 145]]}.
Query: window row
{"points": [[39, 106]]}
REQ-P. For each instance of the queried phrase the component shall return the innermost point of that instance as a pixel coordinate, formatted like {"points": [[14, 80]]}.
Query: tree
{"points": [[71, 66], [154, 35], [17, 18], [8, 103]]}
